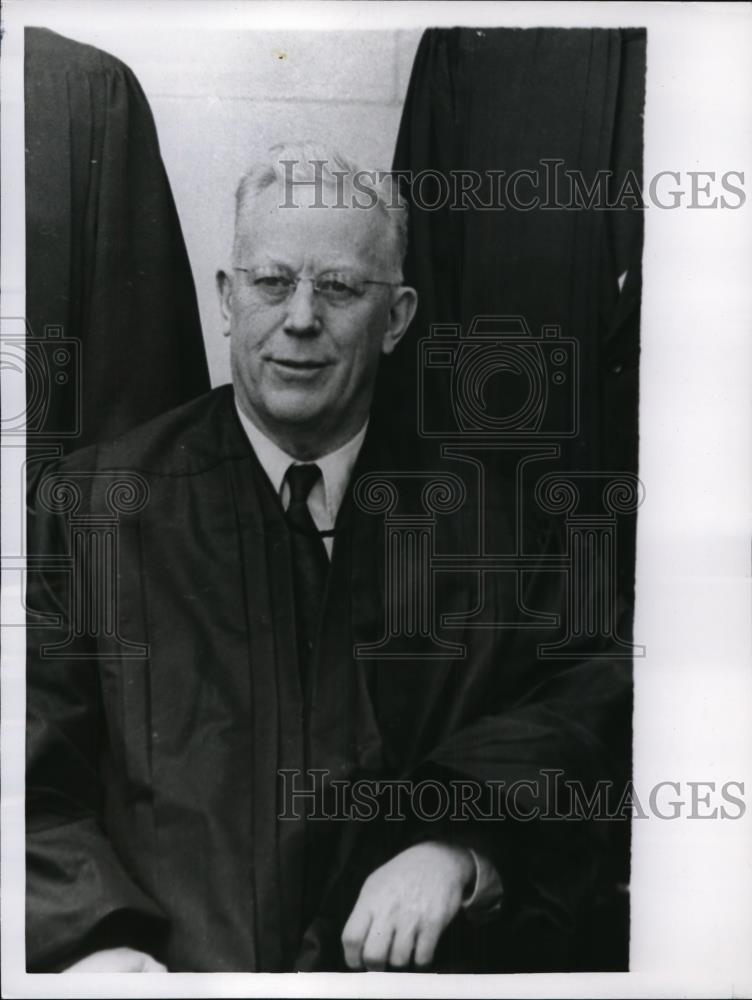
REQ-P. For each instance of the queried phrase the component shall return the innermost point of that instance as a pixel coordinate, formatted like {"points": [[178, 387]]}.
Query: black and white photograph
{"points": [[376, 499]]}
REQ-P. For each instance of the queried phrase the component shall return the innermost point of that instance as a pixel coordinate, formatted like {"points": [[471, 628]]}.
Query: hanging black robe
{"points": [[546, 101], [108, 281], [153, 789]]}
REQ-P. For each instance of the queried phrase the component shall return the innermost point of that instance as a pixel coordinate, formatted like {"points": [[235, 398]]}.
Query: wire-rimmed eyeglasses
{"points": [[275, 285]]}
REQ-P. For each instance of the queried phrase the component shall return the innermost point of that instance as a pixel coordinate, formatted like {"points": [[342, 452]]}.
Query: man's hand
{"points": [[404, 907], [117, 960]]}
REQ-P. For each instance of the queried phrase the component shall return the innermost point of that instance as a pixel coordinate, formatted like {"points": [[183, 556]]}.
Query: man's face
{"points": [[304, 368]]}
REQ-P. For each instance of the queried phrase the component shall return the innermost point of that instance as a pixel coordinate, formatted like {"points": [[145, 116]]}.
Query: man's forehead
{"points": [[270, 227]]}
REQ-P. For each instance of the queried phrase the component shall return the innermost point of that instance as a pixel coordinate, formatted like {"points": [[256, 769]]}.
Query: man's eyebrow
{"points": [[265, 262], [323, 269]]}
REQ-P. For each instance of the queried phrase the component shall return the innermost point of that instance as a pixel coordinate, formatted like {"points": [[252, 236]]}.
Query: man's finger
{"points": [[152, 965], [117, 960], [377, 946], [425, 944], [354, 936], [403, 944]]}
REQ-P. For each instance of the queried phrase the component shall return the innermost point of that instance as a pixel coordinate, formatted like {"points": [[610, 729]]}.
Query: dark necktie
{"points": [[310, 561]]}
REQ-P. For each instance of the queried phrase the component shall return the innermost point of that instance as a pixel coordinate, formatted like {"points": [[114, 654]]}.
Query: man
{"points": [[162, 829]]}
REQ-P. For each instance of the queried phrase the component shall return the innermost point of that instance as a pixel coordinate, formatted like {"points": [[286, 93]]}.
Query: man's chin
{"points": [[295, 413]]}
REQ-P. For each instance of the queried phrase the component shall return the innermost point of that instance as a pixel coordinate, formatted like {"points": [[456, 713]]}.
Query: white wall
{"points": [[220, 99]]}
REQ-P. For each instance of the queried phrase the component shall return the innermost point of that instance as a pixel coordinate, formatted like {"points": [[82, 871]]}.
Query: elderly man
{"points": [[181, 774]]}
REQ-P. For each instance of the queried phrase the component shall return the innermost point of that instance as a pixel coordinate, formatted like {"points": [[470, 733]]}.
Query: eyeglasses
{"points": [[275, 285]]}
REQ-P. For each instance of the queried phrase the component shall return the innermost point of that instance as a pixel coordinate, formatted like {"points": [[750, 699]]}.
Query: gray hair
{"points": [[379, 188]]}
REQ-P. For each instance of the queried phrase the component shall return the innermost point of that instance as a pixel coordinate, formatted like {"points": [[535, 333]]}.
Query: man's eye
{"points": [[273, 282], [335, 286]]}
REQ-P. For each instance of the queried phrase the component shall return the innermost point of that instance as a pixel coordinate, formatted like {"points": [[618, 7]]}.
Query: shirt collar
{"points": [[336, 467]]}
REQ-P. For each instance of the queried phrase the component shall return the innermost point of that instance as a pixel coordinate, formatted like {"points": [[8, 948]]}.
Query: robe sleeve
{"points": [[550, 860], [570, 718], [79, 897], [568, 728]]}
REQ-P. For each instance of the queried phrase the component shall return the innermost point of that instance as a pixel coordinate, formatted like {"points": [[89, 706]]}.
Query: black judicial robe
{"points": [[153, 789], [108, 280], [485, 100]]}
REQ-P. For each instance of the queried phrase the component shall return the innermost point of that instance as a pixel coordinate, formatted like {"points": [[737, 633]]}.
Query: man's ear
{"points": [[224, 293], [401, 313]]}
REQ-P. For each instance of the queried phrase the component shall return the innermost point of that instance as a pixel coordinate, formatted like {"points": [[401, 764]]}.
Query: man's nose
{"points": [[303, 317]]}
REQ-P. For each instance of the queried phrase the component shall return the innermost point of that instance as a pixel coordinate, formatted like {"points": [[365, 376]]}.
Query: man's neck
{"points": [[336, 468]]}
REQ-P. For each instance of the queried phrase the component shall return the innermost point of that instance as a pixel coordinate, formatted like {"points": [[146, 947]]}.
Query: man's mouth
{"points": [[296, 365], [297, 370]]}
